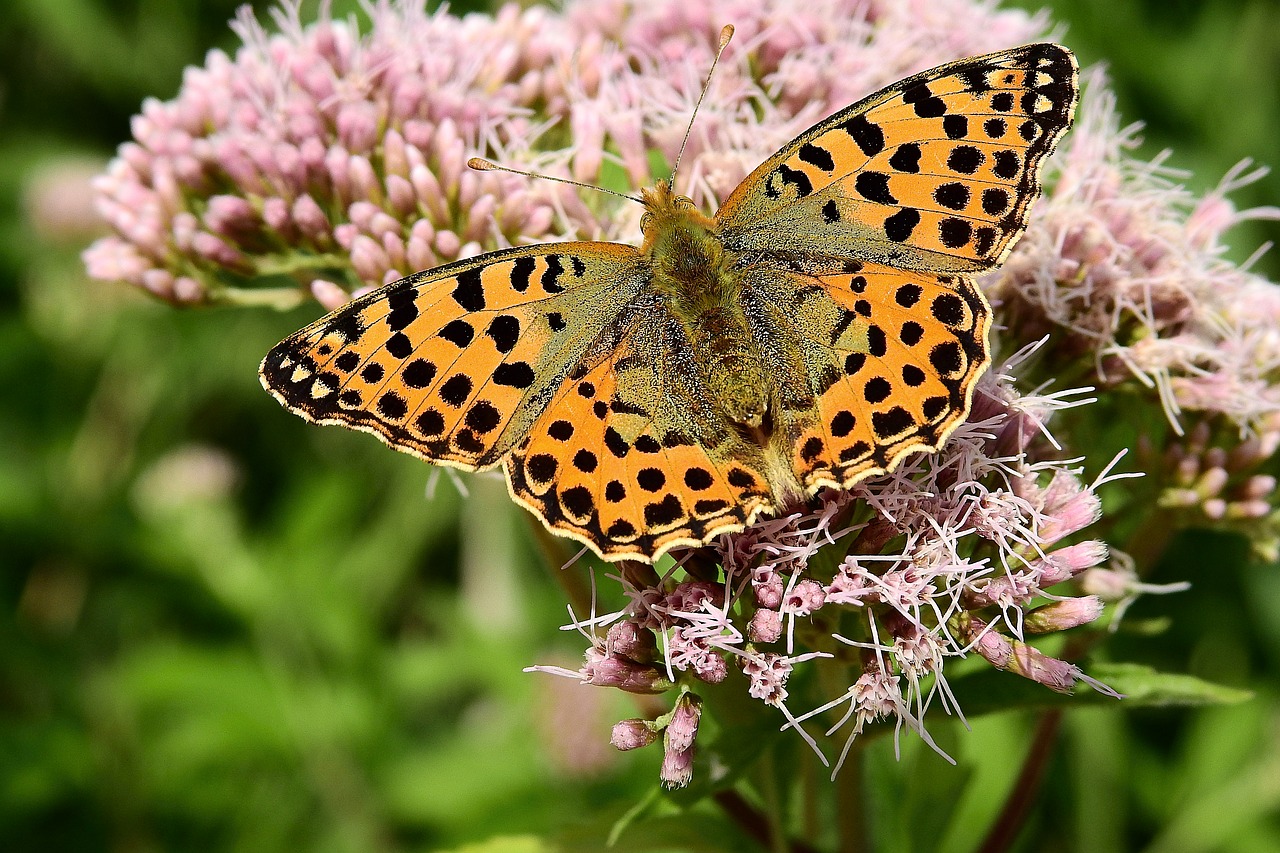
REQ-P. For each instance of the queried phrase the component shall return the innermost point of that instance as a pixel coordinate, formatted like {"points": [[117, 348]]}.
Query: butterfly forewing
{"points": [[935, 172], [456, 363]]}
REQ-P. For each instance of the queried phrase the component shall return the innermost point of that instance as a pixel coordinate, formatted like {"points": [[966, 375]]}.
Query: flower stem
{"points": [[1027, 786], [851, 821], [554, 556], [754, 823]]}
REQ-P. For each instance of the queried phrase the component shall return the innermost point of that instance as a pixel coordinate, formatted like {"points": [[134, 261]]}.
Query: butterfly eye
{"points": [[646, 221]]}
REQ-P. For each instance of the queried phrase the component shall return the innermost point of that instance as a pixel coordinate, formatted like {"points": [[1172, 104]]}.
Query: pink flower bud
{"points": [[330, 296], [447, 244], [418, 253], [1212, 482], [338, 164], [400, 195], [1107, 584], [604, 670], [805, 597], [1061, 615], [1259, 486], [187, 290], [539, 221], [683, 728], [395, 159], [765, 626], [394, 247], [406, 102], [383, 223], [1030, 662], [418, 133], [677, 768], [158, 282], [630, 640], [1069, 508], [632, 734], [1065, 563], [217, 250], [308, 216], [361, 214], [275, 213], [368, 258], [358, 126], [769, 592], [588, 137], [993, 646], [480, 218], [432, 198], [346, 234], [1248, 510]]}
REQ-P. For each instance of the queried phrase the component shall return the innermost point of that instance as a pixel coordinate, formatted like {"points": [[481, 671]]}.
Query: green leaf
{"points": [[913, 792], [990, 691], [1144, 686]]}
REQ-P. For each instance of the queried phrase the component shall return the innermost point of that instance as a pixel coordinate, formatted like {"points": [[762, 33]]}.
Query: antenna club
{"points": [[725, 34], [480, 164]]}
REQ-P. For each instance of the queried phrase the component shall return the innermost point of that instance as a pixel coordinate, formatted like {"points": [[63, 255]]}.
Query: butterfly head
{"points": [[662, 205]]}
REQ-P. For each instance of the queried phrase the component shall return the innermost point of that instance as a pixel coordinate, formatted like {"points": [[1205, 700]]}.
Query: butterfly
{"points": [[823, 325]]}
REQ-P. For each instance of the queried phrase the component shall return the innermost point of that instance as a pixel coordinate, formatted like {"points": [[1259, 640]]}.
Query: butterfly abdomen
{"points": [[700, 282]]}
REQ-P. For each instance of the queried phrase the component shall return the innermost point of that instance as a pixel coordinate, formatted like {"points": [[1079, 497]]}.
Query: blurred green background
{"points": [[222, 629]]}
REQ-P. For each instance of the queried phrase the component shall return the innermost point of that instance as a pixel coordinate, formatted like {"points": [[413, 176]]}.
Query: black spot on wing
{"points": [[899, 226], [874, 186], [906, 158], [816, 156], [797, 179], [469, 292], [924, 102], [868, 136], [521, 270]]}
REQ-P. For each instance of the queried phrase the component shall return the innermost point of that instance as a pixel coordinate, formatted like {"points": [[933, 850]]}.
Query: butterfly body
{"points": [[701, 282], [823, 325]]}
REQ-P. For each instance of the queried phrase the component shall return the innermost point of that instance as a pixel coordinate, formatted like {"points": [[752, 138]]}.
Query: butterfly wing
{"points": [[933, 173], [890, 358], [630, 457], [455, 364], [866, 231]]}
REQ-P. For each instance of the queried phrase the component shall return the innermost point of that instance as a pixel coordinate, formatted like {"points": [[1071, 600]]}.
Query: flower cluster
{"points": [[945, 557], [319, 161]]}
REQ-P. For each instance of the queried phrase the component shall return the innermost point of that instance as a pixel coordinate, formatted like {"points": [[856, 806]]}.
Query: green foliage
{"points": [[224, 629]]}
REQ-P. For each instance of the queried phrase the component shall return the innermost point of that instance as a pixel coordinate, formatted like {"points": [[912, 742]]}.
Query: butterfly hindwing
{"points": [[935, 172], [454, 364], [630, 458], [891, 358]]}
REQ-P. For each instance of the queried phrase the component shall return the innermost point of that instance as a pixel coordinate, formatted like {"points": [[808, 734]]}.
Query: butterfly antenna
{"points": [[725, 35], [482, 165]]}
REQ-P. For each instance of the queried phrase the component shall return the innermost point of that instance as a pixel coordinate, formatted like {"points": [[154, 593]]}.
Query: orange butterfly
{"points": [[823, 325]]}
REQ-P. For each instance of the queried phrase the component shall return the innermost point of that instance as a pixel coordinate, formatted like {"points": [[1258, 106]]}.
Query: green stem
{"points": [[554, 556], [753, 822], [279, 298], [767, 773]]}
